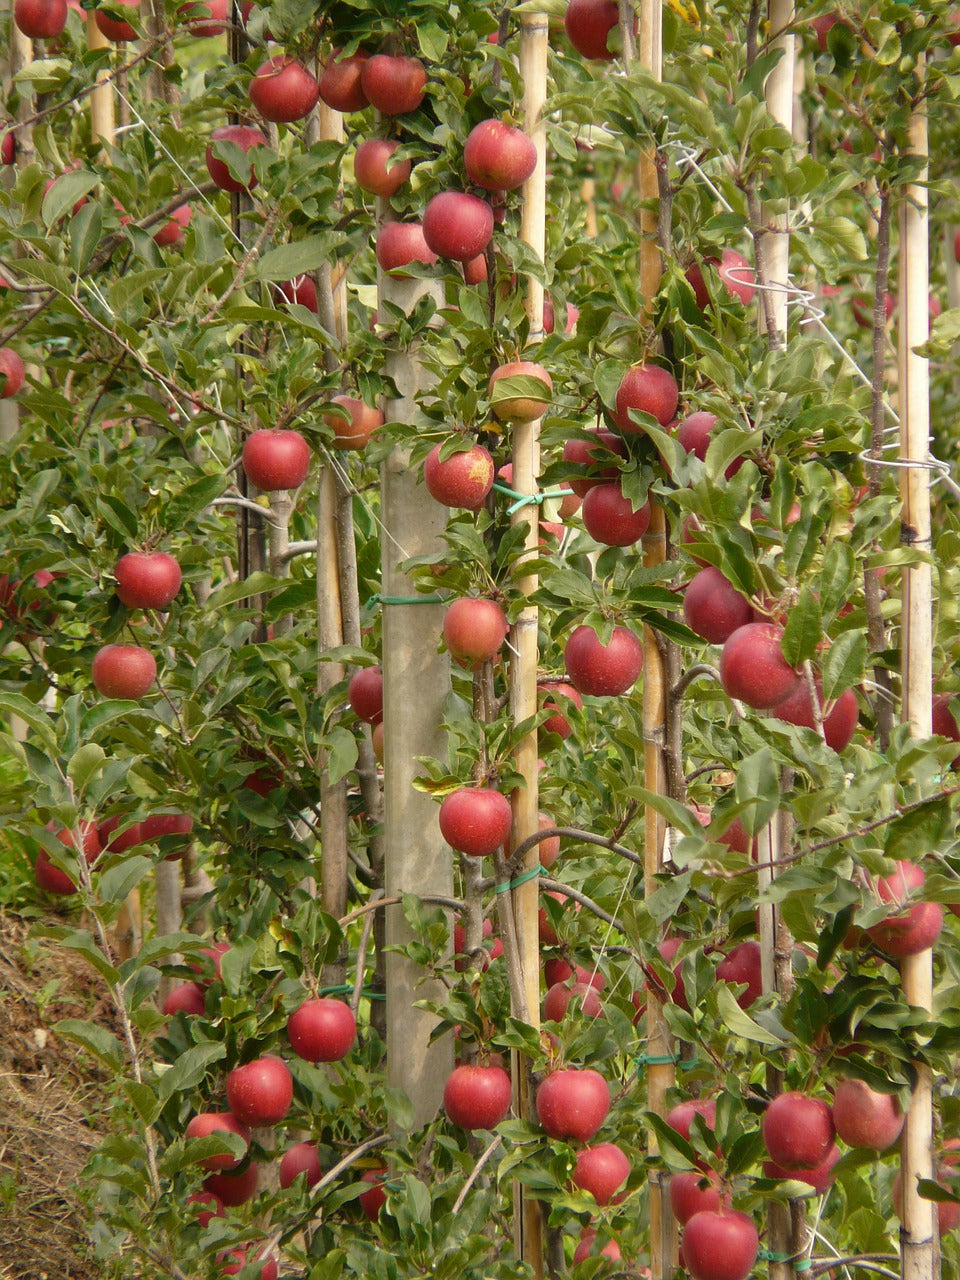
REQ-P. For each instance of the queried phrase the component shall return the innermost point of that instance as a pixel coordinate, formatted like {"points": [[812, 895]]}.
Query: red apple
{"points": [[558, 998], [742, 964], [400, 243], [363, 422], [694, 435], [610, 518], [602, 1170], [549, 849], [115, 840], [246, 138], [572, 1103], [147, 580], [124, 671], [680, 1117], [797, 1130], [8, 148], [521, 408], [734, 271], [213, 1206], [188, 997], [341, 82], [115, 29], [602, 669], [911, 931], [208, 1122], [205, 18], [462, 480], [713, 607], [571, 315], [587, 1247], [550, 691], [840, 722], [474, 631], [593, 453], [260, 1092], [376, 739], [477, 1097], [498, 157], [649, 388], [301, 292], [322, 1030], [588, 24], [234, 1188], [283, 90], [49, 877], [720, 1244], [40, 19], [464, 958], [302, 1157], [394, 85], [171, 233], [475, 820], [373, 170], [864, 1118], [944, 724], [162, 825], [457, 225], [12, 371], [233, 1261], [693, 1191], [372, 1201], [556, 969], [862, 308], [365, 694], [475, 271], [275, 458], [819, 1177], [753, 668]]}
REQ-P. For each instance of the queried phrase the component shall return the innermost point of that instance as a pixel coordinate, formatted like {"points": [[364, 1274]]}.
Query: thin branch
{"points": [[475, 1173]]}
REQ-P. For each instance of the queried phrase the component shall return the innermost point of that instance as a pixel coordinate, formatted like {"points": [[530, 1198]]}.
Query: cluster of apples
{"points": [[145, 580], [112, 835]]}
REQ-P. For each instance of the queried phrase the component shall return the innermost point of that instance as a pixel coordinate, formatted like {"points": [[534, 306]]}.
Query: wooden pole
{"points": [[102, 126], [918, 1239]]}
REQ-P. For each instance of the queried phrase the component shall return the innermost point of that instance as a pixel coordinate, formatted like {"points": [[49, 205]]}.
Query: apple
{"points": [[475, 271], [862, 308], [462, 480], [372, 1201], [400, 243], [474, 631], [713, 607], [213, 1206], [393, 84], [373, 170], [115, 29], [680, 1117], [113, 840], [477, 1097], [556, 969], [341, 82], [464, 959], [260, 1092], [147, 580], [362, 423], [205, 18], [283, 90], [602, 669], [234, 1188], [948, 1211], [734, 271], [819, 1177], [457, 225], [720, 1244], [376, 739], [233, 1261], [322, 1030], [40, 19], [49, 877], [302, 1157], [742, 964], [753, 668], [171, 233], [498, 157], [475, 820], [123, 671], [571, 315], [188, 997], [162, 825], [649, 388], [594, 453], [693, 1191], [549, 691], [522, 408], [246, 138], [8, 148], [944, 724], [864, 1118], [301, 292], [601, 1170], [209, 1122], [572, 1103], [365, 694], [911, 931], [558, 998], [797, 1130], [588, 24], [668, 949], [694, 435], [12, 371], [586, 1248], [610, 518], [547, 933], [840, 722], [548, 849], [275, 458]]}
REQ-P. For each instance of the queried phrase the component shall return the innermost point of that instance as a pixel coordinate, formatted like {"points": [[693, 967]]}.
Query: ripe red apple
{"points": [[206, 18], [373, 170], [246, 138], [213, 1206], [301, 292], [365, 694], [587, 1247], [260, 1092], [720, 1244], [457, 225], [911, 931], [753, 668], [113, 840], [556, 969], [372, 1201], [477, 1097], [735, 272], [394, 85], [123, 671], [521, 408], [147, 580], [302, 1157], [602, 1170], [572, 1103], [115, 29], [462, 480], [275, 458], [557, 1000], [594, 453], [188, 997], [548, 849], [8, 148], [208, 1122], [550, 691], [864, 1118], [819, 1177], [40, 19], [610, 518], [602, 669], [474, 631], [693, 1191], [49, 877], [283, 90], [400, 243], [680, 1117], [948, 1211], [464, 959], [161, 825], [233, 1261], [797, 1130], [341, 82], [376, 740], [650, 388], [322, 1030], [498, 157], [12, 371], [234, 1188], [840, 723], [742, 964], [944, 724], [571, 315], [475, 820], [363, 422], [694, 435], [862, 308], [713, 607], [475, 271], [171, 233], [588, 24]]}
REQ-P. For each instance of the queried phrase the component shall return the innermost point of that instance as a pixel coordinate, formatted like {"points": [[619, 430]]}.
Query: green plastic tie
{"points": [[803, 1264], [768, 1256], [665, 1060], [378, 599], [529, 499], [530, 874]]}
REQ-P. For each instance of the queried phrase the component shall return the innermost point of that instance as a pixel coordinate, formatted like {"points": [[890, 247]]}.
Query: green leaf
{"points": [[739, 1023], [433, 41], [287, 261], [341, 753], [758, 788], [65, 192], [81, 941], [183, 1154], [116, 882], [257, 584], [86, 228], [842, 664], [45, 74], [804, 629], [16, 705], [103, 1044], [85, 763], [190, 1068]]}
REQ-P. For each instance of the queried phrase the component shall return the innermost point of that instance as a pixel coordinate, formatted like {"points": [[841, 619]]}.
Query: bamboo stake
{"points": [[102, 126], [525, 899], [918, 1240]]}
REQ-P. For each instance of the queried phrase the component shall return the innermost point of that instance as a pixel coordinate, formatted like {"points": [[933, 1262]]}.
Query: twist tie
{"points": [[529, 499], [803, 1264], [379, 599], [531, 873], [768, 1256], [665, 1060], [346, 990]]}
